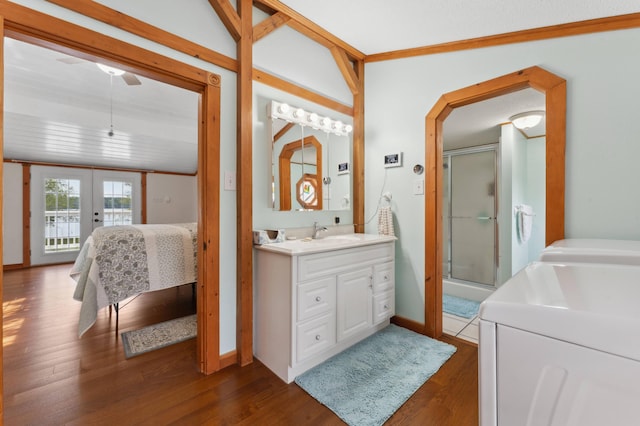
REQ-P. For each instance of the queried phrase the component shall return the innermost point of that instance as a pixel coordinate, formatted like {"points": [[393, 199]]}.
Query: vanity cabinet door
{"points": [[354, 302]]}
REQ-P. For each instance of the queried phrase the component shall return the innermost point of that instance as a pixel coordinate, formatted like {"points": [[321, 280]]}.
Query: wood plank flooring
{"points": [[52, 378]]}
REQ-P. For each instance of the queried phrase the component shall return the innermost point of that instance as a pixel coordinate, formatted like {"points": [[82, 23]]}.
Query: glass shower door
{"points": [[473, 217]]}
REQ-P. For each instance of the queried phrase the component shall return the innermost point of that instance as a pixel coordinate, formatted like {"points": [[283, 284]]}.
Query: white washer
{"points": [[559, 345], [621, 252]]}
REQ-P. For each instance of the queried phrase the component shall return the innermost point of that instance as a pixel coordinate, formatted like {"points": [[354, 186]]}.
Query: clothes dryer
{"points": [[622, 252], [559, 346]]}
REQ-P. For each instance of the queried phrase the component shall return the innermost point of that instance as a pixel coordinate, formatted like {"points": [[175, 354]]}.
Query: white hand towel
{"points": [[524, 222], [385, 221]]}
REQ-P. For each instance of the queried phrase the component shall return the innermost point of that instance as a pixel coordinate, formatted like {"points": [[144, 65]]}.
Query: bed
{"points": [[118, 262]]}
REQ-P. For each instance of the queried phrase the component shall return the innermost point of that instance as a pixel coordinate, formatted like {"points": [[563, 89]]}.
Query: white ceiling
{"points": [[58, 109], [375, 26]]}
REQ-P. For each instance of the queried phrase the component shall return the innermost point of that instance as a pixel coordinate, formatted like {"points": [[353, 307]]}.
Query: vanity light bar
{"points": [[305, 118]]}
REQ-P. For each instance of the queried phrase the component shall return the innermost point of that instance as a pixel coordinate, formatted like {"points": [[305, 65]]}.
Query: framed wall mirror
{"points": [[310, 158]]}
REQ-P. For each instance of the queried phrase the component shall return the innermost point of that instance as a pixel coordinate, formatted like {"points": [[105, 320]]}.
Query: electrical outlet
{"points": [[229, 181], [418, 187]]}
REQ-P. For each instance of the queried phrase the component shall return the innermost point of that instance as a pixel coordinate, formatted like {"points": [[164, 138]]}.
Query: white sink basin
{"points": [[330, 242], [346, 237]]}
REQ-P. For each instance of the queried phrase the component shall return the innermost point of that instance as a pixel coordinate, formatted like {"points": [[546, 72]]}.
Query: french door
{"points": [[68, 203]]}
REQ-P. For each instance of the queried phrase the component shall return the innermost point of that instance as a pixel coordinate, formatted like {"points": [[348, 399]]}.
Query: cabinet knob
{"points": [[318, 298], [318, 337], [386, 277], [386, 306]]}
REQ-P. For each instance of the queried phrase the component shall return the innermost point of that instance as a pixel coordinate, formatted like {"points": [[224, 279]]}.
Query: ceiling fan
{"points": [[129, 78]]}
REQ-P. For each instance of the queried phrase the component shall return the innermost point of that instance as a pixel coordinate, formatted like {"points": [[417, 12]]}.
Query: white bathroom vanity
{"points": [[313, 298]]}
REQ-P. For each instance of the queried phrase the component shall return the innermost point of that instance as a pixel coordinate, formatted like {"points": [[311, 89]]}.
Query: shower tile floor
{"points": [[462, 328]]}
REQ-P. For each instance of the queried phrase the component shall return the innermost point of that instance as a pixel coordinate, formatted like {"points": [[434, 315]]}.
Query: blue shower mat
{"points": [[459, 307]]}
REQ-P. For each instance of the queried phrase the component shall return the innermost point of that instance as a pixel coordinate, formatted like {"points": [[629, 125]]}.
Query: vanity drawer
{"points": [[383, 277], [313, 337], [316, 297], [384, 305], [333, 262]]}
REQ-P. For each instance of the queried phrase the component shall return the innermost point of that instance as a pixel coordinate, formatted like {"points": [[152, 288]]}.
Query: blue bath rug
{"points": [[459, 307], [365, 384]]}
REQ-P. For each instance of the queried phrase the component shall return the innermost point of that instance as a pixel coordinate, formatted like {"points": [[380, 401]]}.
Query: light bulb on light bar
{"points": [[299, 113], [348, 128], [283, 108], [312, 118]]}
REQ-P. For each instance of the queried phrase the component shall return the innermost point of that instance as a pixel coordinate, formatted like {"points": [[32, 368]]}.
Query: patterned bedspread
{"points": [[118, 262]]}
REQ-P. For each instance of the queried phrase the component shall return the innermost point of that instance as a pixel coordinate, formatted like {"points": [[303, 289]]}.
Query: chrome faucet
{"points": [[317, 229]]}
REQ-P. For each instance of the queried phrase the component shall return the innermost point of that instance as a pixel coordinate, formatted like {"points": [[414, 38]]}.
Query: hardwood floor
{"points": [[51, 377]]}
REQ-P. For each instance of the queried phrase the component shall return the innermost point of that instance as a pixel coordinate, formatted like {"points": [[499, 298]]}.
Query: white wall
{"points": [[171, 198], [536, 194], [12, 214], [601, 150], [196, 22]]}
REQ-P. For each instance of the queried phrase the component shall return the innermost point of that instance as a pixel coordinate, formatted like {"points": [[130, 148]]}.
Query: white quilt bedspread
{"points": [[118, 262]]}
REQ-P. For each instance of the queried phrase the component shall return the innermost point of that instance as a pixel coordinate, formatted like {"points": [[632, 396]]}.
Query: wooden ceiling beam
{"points": [[311, 29], [346, 68], [228, 16], [135, 26], [269, 25]]}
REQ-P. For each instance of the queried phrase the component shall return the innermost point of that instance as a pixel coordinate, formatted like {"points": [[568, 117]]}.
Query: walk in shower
{"points": [[469, 222]]}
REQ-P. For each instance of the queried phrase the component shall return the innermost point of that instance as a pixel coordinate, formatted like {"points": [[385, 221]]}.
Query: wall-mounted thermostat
{"points": [[393, 160]]}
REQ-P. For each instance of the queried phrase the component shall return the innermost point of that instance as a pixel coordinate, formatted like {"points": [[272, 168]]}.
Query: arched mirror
{"points": [[310, 160], [485, 162]]}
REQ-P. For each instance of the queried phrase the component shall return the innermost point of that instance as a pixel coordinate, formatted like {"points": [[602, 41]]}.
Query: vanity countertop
{"points": [[328, 243]]}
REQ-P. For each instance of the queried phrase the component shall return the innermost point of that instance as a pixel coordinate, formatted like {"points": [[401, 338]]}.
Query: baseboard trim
{"points": [[409, 324], [228, 359]]}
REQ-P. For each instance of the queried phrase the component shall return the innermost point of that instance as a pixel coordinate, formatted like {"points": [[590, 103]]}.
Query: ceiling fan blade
{"points": [[71, 60], [131, 79]]}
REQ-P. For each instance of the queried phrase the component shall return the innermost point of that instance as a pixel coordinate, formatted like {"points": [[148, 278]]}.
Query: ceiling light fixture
{"points": [[309, 119], [526, 120], [109, 70]]}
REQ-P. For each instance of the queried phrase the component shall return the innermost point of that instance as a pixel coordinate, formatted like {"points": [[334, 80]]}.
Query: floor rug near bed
{"points": [[159, 335], [367, 383], [459, 307]]}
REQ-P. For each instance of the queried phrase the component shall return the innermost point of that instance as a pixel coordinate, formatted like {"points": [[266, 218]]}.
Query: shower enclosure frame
{"points": [[447, 272]]}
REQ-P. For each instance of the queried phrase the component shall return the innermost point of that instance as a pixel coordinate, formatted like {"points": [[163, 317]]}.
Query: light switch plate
{"points": [[418, 187], [229, 181]]}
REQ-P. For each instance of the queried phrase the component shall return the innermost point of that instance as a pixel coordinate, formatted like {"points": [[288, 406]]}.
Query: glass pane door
{"points": [[60, 208], [473, 217], [68, 203], [116, 199]]}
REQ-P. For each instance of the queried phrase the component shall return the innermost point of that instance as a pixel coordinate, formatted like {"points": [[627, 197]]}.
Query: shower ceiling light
{"points": [[526, 120]]}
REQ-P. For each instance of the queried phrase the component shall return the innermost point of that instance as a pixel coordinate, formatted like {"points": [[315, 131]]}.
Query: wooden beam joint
{"points": [[269, 25], [228, 16]]}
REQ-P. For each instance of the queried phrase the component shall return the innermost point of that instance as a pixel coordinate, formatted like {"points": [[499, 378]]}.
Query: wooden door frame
{"points": [[555, 92], [40, 29]]}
